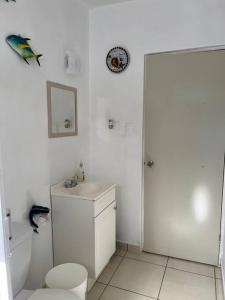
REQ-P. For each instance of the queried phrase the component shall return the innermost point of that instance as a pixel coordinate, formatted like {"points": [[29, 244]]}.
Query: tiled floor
{"points": [[144, 276]]}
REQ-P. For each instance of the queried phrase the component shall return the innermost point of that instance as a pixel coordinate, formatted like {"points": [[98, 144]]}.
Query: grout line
{"points": [[116, 269], [114, 255], [123, 250], [102, 291], [190, 272], [112, 276], [215, 283], [161, 265], [119, 288], [144, 261], [219, 276], [119, 255], [122, 258], [167, 261], [163, 278], [168, 257]]}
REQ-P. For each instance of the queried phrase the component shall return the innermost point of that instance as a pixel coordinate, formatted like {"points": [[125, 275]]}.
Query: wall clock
{"points": [[117, 60]]}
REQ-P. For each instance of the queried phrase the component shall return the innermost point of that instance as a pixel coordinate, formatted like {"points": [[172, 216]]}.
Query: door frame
{"points": [[5, 282], [175, 51]]}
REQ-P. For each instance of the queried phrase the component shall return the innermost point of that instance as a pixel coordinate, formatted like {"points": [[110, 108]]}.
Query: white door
{"points": [[184, 149]]}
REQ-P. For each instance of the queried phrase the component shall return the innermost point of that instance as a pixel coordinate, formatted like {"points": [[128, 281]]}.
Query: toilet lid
{"points": [[52, 294], [66, 276]]}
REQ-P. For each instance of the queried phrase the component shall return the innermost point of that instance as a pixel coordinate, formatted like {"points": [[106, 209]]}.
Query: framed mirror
{"points": [[62, 110]]}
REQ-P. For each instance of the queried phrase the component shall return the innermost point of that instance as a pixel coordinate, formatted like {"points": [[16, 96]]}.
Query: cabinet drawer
{"points": [[103, 202]]}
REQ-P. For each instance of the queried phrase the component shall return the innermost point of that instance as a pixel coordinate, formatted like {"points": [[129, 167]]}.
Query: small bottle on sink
{"points": [[80, 174]]}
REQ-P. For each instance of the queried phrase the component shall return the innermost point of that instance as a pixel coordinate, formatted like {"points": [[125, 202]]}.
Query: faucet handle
{"points": [[70, 183]]}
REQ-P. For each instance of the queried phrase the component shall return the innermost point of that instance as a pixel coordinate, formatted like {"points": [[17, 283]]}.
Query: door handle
{"points": [[150, 163]]}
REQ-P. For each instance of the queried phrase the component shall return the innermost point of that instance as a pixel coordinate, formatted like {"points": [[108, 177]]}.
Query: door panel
{"points": [[185, 137]]}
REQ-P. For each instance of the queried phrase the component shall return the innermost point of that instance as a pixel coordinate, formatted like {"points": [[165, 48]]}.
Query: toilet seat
{"points": [[52, 294]]}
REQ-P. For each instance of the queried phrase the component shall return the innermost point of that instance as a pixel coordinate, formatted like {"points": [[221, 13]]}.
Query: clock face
{"points": [[117, 60]]}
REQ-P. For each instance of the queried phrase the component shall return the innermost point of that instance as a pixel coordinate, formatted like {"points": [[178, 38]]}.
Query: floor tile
{"points": [[139, 277], [148, 257], [179, 285], [191, 267], [219, 290], [121, 248], [218, 273], [96, 291], [112, 293], [107, 274], [120, 252]]}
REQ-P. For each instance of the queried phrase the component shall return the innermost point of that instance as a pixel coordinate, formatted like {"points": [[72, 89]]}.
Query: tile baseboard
{"points": [[128, 247], [134, 249], [121, 246]]}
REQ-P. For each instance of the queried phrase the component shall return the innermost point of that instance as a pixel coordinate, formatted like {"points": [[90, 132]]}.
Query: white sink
{"points": [[84, 190], [88, 188]]}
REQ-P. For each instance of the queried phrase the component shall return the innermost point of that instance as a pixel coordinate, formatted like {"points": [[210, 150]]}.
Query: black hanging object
{"points": [[35, 211]]}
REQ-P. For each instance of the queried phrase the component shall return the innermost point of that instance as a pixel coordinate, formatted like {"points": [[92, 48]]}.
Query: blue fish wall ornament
{"points": [[21, 46]]}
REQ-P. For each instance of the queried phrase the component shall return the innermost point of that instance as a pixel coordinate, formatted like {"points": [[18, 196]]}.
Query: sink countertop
{"points": [[86, 190]]}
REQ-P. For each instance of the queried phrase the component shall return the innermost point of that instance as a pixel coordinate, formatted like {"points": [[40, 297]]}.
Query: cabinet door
{"points": [[105, 237]]}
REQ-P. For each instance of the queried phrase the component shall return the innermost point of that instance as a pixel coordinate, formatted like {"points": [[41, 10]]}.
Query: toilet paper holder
{"points": [[37, 211]]}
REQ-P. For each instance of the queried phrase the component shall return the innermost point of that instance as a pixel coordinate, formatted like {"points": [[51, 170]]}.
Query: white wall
{"points": [[31, 161], [141, 26]]}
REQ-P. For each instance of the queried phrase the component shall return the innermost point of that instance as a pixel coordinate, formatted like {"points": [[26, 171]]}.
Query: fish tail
{"points": [[37, 58]]}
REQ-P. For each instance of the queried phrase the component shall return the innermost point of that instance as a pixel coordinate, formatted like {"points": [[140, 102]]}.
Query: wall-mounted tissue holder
{"points": [[37, 211], [111, 124], [72, 63]]}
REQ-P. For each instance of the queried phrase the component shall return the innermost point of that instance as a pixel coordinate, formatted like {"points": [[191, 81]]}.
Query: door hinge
{"points": [[220, 238]]}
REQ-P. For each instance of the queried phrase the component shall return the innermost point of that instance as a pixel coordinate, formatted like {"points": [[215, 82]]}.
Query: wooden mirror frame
{"points": [[50, 85]]}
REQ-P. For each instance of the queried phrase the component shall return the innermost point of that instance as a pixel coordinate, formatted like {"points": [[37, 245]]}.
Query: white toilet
{"points": [[20, 247]]}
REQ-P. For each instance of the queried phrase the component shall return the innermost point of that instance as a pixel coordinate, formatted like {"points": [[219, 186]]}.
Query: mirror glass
{"points": [[62, 110]]}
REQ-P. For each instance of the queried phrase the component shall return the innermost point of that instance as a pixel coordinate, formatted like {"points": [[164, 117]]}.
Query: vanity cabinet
{"points": [[84, 227]]}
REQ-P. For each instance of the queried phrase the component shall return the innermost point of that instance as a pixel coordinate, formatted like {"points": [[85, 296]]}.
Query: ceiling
{"points": [[95, 3]]}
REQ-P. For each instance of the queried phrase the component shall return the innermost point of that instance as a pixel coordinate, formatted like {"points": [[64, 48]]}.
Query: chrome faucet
{"points": [[70, 183]]}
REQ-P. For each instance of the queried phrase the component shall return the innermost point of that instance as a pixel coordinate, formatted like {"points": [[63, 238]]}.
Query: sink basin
{"points": [[88, 188], [84, 190]]}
